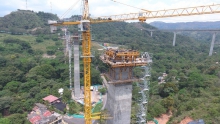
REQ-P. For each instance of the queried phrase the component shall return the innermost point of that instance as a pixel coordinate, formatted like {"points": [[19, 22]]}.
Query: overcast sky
{"points": [[107, 7]]}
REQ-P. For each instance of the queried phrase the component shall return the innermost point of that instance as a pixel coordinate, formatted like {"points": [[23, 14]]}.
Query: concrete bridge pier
{"points": [[174, 38], [151, 33], [212, 44], [120, 78], [119, 103], [76, 67]]}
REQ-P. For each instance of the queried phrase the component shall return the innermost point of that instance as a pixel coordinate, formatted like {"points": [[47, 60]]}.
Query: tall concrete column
{"points": [[151, 33], [76, 69], [119, 103], [212, 44], [174, 38], [70, 62]]}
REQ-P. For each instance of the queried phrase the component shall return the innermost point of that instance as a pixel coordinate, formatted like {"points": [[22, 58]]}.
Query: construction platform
{"points": [[121, 64]]}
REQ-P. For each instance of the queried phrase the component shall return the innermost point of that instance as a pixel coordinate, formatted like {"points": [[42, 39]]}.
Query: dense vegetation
{"points": [[26, 21], [26, 77]]}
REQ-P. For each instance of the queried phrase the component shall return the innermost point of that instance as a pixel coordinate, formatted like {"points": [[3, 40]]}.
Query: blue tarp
{"points": [[76, 116]]}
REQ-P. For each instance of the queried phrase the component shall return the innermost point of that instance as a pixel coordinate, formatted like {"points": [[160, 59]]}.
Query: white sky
{"points": [[107, 7]]}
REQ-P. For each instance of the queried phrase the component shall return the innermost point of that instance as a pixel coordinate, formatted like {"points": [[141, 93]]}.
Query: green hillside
{"points": [[25, 21]]}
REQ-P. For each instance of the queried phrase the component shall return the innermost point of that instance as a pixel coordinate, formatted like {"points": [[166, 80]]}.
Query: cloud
{"points": [[107, 7]]}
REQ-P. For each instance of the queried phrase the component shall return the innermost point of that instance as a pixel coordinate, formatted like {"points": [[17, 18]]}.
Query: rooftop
{"points": [[40, 115], [50, 98], [59, 105], [39, 105]]}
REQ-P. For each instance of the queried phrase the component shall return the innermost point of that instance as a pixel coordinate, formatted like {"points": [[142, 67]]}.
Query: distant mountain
{"points": [[25, 20], [187, 25]]}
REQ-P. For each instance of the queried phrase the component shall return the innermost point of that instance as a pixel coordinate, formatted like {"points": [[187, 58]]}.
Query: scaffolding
{"points": [[144, 90], [69, 47]]}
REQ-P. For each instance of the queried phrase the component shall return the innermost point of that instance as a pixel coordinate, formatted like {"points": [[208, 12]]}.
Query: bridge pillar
{"points": [[151, 33], [76, 68], [212, 44], [174, 38]]}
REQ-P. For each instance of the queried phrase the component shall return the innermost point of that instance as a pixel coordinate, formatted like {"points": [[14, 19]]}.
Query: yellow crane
{"points": [[84, 25]]}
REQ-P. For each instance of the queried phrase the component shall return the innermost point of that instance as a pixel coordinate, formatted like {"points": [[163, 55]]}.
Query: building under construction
{"points": [[121, 63]]}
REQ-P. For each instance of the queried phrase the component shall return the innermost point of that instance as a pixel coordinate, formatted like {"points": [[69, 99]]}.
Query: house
{"points": [[56, 102], [51, 99], [40, 115]]}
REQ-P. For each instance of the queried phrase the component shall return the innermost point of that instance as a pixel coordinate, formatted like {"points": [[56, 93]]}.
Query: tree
{"points": [[6, 93], [35, 90], [39, 39], [10, 73], [3, 61], [168, 102], [25, 87], [51, 50], [5, 121], [16, 107], [167, 89], [157, 109], [66, 95], [102, 90], [18, 118], [45, 70], [5, 102], [95, 76], [73, 109], [13, 86]]}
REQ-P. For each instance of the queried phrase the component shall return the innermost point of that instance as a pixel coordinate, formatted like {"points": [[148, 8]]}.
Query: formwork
{"points": [[121, 63]]}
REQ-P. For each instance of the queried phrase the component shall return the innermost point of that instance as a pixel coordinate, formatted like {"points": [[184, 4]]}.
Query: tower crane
{"points": [[84, 25]]}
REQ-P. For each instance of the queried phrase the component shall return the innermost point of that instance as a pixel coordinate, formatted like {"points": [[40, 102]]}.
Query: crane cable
{"points": [[69, 10], [130, 5]]}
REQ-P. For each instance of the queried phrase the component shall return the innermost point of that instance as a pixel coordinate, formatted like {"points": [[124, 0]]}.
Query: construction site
{"points": [[121, 62], [118, 81]]}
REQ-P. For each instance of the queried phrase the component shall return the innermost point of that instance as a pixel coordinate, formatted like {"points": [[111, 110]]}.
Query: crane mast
{"points": [[86, 45], [85, 10]]}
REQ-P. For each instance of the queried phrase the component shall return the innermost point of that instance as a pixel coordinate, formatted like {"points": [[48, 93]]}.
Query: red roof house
{"points": [[47, 113], [50, 98], [34, 119]]}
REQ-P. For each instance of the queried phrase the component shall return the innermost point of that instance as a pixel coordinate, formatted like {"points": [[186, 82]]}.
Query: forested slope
{"points": [[26, 21]]}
